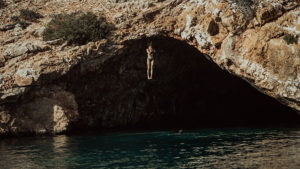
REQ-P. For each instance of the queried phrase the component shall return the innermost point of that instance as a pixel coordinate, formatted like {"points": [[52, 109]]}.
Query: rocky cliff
{"points": [[50, 86]]}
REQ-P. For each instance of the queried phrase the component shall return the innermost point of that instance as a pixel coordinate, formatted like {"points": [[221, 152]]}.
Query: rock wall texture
{"points": [[245, 37]]}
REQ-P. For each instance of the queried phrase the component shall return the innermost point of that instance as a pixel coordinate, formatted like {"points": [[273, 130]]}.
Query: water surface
{"points": [[273, 147]]}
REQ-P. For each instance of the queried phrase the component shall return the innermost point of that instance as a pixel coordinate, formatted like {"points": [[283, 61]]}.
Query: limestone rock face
{"points": [[246, 38], [16, 50], [49, 110], [51, 114]]}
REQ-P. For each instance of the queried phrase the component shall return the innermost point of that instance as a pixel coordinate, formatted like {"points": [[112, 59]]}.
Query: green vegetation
{"points": [[2, 4], [30, 15], [77, 28], [245, 3], [290, 39], [17, 20], [26, 15]]}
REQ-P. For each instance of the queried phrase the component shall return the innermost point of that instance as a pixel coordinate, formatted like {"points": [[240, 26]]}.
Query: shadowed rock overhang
{"points": [[257, 41], [187, 90]]}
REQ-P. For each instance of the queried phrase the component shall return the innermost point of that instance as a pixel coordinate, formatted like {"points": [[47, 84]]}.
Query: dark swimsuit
{"points": [[151, 56]]}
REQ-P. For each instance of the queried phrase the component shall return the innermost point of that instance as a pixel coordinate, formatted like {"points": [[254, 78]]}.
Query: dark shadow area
{"points": [[187, 91]]}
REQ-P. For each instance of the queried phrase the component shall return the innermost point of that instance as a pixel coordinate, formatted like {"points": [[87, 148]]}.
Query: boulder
{"points": [[50, 114], [25, 76]]}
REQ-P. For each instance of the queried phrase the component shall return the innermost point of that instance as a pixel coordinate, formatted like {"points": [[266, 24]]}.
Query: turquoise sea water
{"points": [[264, 147]]}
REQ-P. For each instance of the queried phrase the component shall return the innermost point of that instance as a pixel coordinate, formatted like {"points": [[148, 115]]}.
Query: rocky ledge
{"points": [[50, 86]]}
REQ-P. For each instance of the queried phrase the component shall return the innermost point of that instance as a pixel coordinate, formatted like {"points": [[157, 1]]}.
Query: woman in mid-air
{"points": [[150, 61]]}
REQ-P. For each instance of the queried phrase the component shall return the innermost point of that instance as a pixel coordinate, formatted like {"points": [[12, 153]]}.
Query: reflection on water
{"points": [[207, 148]]}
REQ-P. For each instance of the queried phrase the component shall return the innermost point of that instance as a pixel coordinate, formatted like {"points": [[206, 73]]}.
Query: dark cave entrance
{"points": [[187, 91]]}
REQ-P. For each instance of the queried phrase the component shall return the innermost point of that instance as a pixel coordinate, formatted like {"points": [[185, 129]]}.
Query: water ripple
{"points": [[209, 148]]}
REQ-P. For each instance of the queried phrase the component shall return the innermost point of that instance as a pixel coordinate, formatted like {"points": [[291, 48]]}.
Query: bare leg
{"points": [[148, 68], [151, 74]]}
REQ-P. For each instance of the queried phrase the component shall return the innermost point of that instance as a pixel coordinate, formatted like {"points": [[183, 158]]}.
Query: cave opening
{"points": [[187, 91]]}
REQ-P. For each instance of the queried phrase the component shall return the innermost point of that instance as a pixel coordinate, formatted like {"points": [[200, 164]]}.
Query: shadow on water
{"points": [[188, 91]]}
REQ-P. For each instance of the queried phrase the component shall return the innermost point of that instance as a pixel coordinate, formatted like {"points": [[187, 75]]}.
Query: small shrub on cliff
{"points": [[2, 4], [17, 20], [77, 28], [25, 15], [290, 39], [30, 15]]}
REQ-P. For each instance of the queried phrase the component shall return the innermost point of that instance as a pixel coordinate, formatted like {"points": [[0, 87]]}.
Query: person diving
{"points": [[150, 61]]}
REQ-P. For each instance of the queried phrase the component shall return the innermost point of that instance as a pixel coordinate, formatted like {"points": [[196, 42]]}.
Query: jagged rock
{"points": [[55, 42], [4, 117], [25, 76], [11, 40], [50, 113], [2, 61], [246, 38], [16, 50], [213, 28], [11, 95], [38, 32], [7, 27]]}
